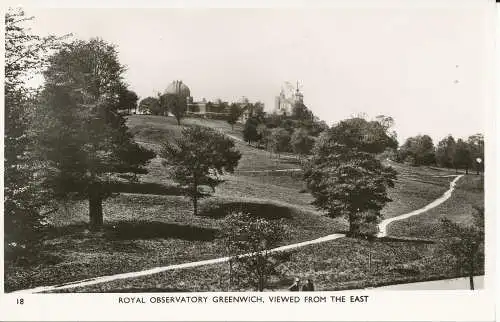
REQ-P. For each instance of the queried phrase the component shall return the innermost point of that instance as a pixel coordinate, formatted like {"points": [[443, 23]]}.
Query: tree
{"points": [[258, 111], [163, 104], [344, 175], [150, 105], [245, 234], [301, 112], [445, 152], [198, 159], [368, 227], [476, 146], [250, 130], [463, 156], [177, 105], [466, 244], [234, 114], [84, 139], [127, 100], [24, 197], [264, 135], [280, 140], [301, 142], [418, 150]]}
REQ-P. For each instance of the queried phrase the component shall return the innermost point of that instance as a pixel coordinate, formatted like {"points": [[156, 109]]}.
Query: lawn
{"points": [[335, 265], [150, 224], [146, 231], [459, 208]]}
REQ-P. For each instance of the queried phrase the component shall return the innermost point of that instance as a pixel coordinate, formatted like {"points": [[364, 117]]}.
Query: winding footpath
{"points": [[103, 279], [383, 225]]}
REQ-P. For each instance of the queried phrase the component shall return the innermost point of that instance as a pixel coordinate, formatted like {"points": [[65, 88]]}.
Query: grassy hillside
{"points": [[150, 224], [340, 264]]}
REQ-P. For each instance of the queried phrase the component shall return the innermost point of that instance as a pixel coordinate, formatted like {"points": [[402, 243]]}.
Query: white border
{"points": [[382, 305]]}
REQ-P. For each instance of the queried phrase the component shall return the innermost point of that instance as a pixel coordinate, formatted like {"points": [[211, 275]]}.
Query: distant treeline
{"points": [[457, 154]]}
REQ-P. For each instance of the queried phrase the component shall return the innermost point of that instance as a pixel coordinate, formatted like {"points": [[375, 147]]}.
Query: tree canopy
{"points": [[127, 100], [82, 136], [250, 133], [445, 152], [199, 158], [177, 105], [245, 234], [345, 176], [280, 140], [150, 105], [301, 142], [418, 150], [26, 55], [234, 114], [463, 156], [466, 244]]}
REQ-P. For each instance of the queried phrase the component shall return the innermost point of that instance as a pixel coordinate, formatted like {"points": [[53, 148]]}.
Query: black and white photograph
{"points": [[197, 150]]}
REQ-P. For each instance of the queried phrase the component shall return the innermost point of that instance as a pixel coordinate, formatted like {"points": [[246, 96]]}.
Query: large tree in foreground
{"points": [[82, 136], [25, 56], [344, 175], [199, 158]]}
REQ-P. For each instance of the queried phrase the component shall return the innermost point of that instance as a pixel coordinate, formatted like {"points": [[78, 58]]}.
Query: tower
{"points": [[298, 97]]}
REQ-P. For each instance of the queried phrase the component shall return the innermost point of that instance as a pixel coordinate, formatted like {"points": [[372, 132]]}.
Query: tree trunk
{"points": [[195, 197], [95, 208], [471, 272], [230, 274], [370, 258], [195, 204], [353, 227], [471, 281]]}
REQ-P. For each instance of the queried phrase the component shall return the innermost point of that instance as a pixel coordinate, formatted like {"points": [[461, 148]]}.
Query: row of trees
{"points": [[282, 133], [449, 153], [165, 104]]}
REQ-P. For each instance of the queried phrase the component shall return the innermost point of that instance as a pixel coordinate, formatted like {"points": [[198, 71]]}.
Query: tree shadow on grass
{"points": [[133, 230], [262, 210], [146, 188], [155, 229]]}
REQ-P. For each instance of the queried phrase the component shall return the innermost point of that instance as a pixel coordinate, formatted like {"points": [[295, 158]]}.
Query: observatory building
{"points": [[283, 104]]}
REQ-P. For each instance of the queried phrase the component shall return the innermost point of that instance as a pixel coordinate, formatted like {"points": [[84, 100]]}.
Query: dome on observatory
{"points": [[178, 88]]}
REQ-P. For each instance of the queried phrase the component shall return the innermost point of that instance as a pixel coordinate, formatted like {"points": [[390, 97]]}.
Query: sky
{"points": [[430, 68]]}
